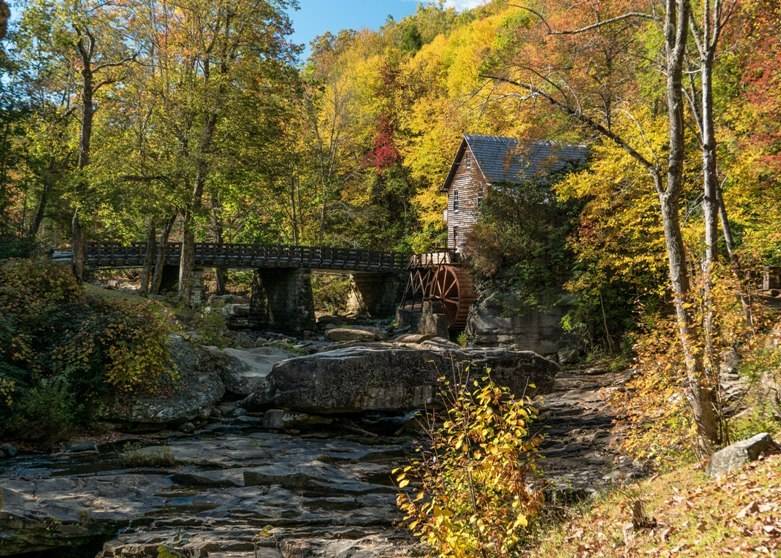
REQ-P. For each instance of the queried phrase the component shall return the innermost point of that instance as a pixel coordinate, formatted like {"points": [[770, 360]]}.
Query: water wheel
{"points": [[452, 286]]}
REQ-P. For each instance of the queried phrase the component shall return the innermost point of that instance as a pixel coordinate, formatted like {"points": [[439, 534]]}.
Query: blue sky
{"points": [[315, 17]]}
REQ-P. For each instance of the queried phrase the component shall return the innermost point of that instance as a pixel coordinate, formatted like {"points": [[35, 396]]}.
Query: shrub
{"points": [[60, 346], [133, 342], [46, 412], [471, 492], [13, 247], [210, 325], [521, 241], [32, 286]]}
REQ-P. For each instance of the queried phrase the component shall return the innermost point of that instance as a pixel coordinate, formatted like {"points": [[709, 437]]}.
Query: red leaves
{"points": [[384, 154]]}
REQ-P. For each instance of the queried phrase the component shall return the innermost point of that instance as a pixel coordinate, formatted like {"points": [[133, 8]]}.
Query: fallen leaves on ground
{"points": [[689, 514]]}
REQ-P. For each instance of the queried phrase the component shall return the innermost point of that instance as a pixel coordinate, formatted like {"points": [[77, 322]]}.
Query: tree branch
{"points": [[583, 119], [587, 28], [122, 62]]}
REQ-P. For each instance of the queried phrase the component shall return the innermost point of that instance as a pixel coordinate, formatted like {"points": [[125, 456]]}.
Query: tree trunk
{"points": [[162, 249], [78, 247], [711, 217], [187, 260], [40, 209], [701, 395], [86, 48], [149, 258], [215, 221]]}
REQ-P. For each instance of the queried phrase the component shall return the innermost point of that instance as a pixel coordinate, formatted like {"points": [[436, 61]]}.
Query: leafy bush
{"points": [[12, 247], [132, 343], [210, 324], [45, 412], [62, 350], [521, 239], [471, 492], [30, 287]]}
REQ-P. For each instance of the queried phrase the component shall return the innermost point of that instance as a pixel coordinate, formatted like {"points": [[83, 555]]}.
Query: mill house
{"points": [[482, 162]]}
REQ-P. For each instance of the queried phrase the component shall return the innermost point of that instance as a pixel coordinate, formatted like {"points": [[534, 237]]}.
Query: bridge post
{"points": [[376, 294], [258, 302], [289, 302], [198, 288]]}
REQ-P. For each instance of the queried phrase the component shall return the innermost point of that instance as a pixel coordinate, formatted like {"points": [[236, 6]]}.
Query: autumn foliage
{"points": [[468, 493], [62, 350]]}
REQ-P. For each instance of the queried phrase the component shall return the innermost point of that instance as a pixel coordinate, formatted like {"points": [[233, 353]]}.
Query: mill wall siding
{"points": [[469, 183]]}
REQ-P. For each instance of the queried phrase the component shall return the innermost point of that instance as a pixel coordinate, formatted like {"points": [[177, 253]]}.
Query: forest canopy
{"points": [[199, 121]]}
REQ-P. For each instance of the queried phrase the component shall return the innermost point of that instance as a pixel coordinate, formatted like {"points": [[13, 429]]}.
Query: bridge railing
{"points": [[108, 254], [444, 256]]}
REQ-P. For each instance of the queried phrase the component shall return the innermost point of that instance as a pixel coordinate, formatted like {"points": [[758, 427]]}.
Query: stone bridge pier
{"points": [[282, 299], [375, 294]]}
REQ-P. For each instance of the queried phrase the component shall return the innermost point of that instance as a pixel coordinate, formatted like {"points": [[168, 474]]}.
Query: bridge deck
{"points": [[250, 256]]}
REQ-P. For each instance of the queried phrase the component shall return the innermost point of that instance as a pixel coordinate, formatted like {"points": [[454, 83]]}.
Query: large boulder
{"points": [[492, 322], [740, 453], [197, 390], [387, 377]]}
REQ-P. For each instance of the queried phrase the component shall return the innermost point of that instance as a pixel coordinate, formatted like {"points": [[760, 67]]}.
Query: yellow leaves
{"points": [[473, 494], [520, 521], [7, 388]]}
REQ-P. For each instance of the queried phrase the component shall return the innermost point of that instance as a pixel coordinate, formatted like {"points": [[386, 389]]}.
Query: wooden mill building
{"points": [[482, 162]]}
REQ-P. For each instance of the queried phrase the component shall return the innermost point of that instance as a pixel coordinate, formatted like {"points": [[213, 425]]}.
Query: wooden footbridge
{"points": [[249, 256], [282, 275]]}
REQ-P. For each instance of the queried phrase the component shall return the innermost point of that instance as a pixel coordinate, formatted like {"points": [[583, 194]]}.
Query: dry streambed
{"points": [[250, 457]]}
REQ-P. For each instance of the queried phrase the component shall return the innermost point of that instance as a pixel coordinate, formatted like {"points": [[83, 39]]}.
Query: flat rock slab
{"points": [[388, 377], [230, 490]]}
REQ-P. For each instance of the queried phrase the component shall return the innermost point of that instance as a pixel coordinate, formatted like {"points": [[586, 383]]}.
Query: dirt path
{"points": [[576, 420]]}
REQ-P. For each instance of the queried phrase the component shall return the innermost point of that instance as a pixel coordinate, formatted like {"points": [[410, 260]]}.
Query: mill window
{"points": [[455, 237], [455, 200]]}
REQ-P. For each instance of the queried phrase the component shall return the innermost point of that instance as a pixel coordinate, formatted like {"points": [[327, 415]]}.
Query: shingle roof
{"points": [[506, 160]]}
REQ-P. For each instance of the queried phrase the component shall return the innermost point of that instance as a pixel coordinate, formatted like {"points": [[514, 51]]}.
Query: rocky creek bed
{"points": [[255, 455], [231, 489]]}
